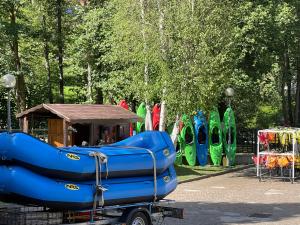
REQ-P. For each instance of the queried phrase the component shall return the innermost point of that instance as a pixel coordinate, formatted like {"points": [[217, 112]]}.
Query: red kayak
{"points": [[156, 116], [124, 105]]}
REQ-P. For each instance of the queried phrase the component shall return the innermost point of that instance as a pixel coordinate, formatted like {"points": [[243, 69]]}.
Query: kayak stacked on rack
{"points": [[141, 112], [136, 169], [201, 132], [229, 136], [200, 138], [155, 117], [191, 141], [215, 138], [186, 139]]}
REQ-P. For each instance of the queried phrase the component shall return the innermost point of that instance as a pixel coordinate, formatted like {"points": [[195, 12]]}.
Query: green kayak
{"points": [[141, 112], [188, 144], [230, 149], [215, 138]]}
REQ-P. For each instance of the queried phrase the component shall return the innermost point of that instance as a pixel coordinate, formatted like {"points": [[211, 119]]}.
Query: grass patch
{"points": [[185, 172]]}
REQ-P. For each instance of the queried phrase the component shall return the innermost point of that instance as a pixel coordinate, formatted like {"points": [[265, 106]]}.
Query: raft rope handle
{"points": [[100, 158], [154, 166]]}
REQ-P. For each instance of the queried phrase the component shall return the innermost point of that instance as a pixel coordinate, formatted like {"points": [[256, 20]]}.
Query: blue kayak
{"points": [[130, 157], [201, 137], [23, 186]]}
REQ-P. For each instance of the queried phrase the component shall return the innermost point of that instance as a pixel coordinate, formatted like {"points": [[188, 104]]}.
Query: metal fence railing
{"points": [[246, 140]]}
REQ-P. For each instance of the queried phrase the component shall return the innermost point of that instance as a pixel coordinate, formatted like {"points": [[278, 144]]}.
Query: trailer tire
{"points": [[138, 218]]}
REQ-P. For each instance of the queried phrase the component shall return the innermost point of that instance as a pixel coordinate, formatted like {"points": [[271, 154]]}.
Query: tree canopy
{"points": [[183, 52]]}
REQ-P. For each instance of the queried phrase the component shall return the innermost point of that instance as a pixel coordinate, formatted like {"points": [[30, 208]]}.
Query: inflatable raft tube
{"points": [[22, 186], [130, 157]]}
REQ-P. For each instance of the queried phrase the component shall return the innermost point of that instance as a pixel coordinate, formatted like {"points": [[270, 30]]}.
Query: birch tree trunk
{"points": [[163, 49], [89, 83], [148, 119], [60, 50], [193, 7], [163, 114], [297, 108]]}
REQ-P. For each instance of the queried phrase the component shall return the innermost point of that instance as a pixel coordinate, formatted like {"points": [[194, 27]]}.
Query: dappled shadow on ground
{"points": [[183, 171], [208, 213], [251, 173]]}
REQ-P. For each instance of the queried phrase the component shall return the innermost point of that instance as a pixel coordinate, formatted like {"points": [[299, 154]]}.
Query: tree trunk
{"points": [[289, 103], [287, 75], [283, 102], [89, 83], [163, 49], [60, 50], [297, 110], [47, 61], [133, 105], [20, 83], [161, 29], [163, 115], [99, 98], [148, 120], [193, 7]]}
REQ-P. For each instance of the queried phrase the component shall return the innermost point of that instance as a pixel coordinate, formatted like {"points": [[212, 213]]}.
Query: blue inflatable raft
{"points": [[131, 157], [201, 138], [20, 185]]}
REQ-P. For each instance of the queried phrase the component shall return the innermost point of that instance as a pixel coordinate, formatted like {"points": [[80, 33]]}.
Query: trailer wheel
{"points": [[138, 218]]}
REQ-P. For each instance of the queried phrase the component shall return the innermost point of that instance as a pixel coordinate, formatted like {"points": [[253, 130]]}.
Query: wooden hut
{"points": [[74, 124]]}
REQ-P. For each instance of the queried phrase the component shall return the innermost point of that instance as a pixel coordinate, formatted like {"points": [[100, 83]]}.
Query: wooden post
{"points": [[65, 132], [92, 135], [25, 124]]}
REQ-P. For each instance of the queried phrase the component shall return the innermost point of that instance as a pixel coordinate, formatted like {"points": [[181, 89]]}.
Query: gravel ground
{"points": [[237, 198]]}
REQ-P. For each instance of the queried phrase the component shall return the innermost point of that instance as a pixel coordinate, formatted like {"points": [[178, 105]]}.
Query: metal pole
{"points": [[258, 157], [293, 163], [8, 112], [229, 135]]}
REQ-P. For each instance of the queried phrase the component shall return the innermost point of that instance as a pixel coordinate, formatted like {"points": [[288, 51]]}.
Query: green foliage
{"points": [[267, 116], [194, 49]]}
